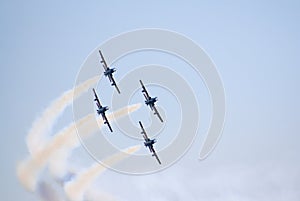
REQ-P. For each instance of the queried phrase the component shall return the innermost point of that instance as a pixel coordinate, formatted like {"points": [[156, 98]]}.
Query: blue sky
{"points": [[254, 45]]}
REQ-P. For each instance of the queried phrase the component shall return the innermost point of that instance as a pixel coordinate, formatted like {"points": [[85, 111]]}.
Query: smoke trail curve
{"points": [[36, 136], [61, 144], [75, 189]]}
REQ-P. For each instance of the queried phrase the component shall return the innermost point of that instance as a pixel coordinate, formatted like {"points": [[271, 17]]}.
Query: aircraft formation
{"points": [[149, 101]]}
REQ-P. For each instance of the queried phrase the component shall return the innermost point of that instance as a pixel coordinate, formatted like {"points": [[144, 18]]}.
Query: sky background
{"points": [[255, 46]]}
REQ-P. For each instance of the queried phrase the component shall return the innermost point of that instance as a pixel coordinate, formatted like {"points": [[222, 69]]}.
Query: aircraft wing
{"points": [[97, 99], [155, 155], [117, 88], [145, 92], [111, 79], [143, 131], [106, 122], [157, 113], [113, 83], [109, 126], [103, 61], [147, 98]]}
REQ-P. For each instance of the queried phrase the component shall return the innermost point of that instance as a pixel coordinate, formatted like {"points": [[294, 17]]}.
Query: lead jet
{"points": [[101, 110], [149, 143], [150, 101], [108, 72]]}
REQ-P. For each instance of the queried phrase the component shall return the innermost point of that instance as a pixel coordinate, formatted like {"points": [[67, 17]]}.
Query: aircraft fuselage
{"points": [[109, 71], [149, 143], [151, 101], [102, 110]]}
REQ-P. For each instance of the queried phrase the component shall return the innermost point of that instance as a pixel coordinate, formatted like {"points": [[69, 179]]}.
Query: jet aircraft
{"points": [[149, 143], [101, 110], [108, 72], [150, 101]]}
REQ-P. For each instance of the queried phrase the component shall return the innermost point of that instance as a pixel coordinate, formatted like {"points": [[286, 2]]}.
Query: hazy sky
{"points": [[254, 45]]}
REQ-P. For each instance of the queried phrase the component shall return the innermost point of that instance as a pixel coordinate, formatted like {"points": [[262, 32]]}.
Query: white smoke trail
{"points": [[57, 163], [62, 144], [43, 149], [28, 170], [36, 137], [76, 188]]}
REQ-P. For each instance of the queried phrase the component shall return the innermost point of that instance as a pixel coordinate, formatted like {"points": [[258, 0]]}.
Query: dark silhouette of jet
{"points": [[108, 72], [150, 101], [101, 110], [149, 143]]}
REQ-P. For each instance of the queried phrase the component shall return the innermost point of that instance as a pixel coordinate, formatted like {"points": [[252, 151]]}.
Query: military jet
{"points": [[108, 72], [101, 110], [149, 143], [150, 101]]}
